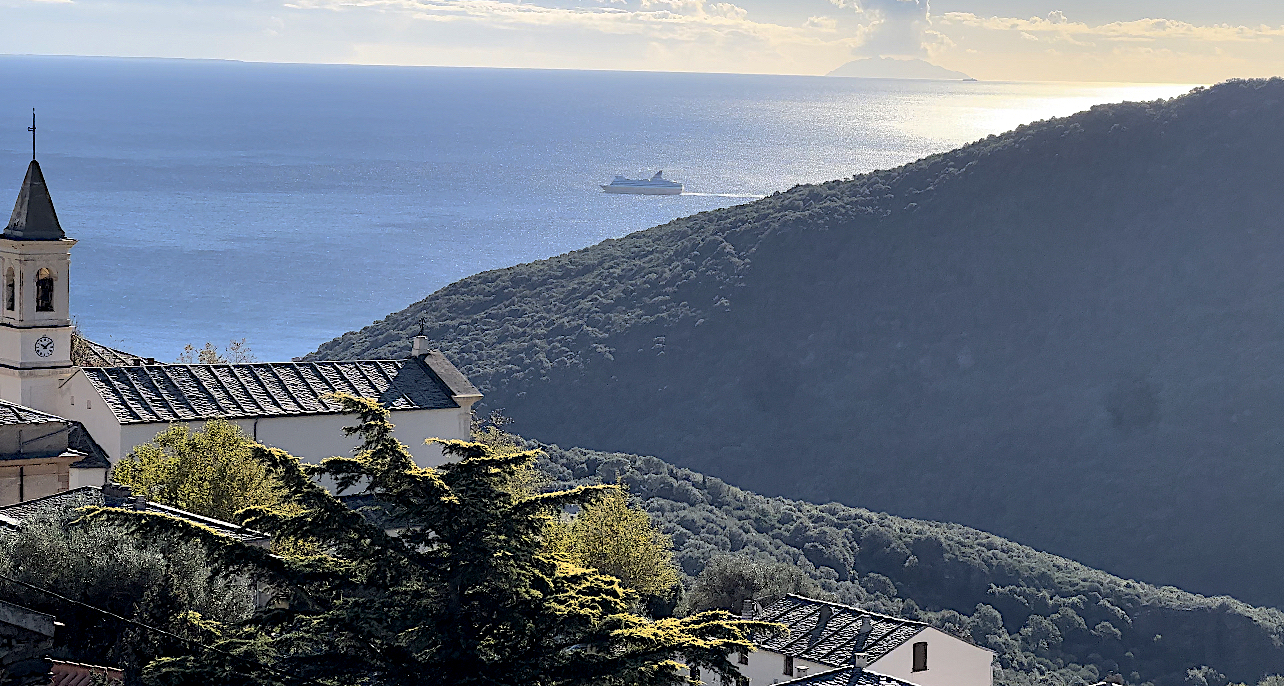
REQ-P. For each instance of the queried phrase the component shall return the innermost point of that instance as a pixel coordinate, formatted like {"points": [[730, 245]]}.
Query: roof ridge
{"points": [[188, 514], [857, 609], [51, 496]]}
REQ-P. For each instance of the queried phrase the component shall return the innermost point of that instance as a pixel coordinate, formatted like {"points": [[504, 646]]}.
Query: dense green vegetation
{"points": [[210, 471], [1051, 620], [166, 584], [466, 591], [1068, 334]]}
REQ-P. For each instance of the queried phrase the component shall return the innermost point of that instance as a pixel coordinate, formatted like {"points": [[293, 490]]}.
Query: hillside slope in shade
{"points": [[1051, 621], [1070, 335]]}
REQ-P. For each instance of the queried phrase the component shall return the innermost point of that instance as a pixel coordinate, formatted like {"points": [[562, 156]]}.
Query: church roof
{"points": [[33, 217], [831, 634], [86, 353], [194, 392]]}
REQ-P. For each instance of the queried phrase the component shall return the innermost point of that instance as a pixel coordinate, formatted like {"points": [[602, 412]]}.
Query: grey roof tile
{"points": [[194, 392], [846, 676], [80, 441], [838, 640], [94, 496], [13, 413], [86, 353]]}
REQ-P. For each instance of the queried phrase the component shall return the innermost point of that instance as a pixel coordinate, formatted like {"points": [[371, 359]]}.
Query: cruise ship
{"points": [[656, 185]]}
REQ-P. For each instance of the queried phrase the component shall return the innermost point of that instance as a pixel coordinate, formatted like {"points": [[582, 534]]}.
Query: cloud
{"points": [[894, 28], [1057, 47], [821, 23]]}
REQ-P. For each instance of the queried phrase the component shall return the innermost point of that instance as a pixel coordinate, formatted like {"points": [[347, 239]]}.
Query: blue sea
{"points": [[287, 204]]}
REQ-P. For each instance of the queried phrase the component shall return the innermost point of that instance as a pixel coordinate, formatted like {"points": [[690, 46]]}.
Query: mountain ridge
{"points": [[1062, 334]]}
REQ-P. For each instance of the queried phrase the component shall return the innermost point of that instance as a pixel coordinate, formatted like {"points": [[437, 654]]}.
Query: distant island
{"points": [[892, 68]]}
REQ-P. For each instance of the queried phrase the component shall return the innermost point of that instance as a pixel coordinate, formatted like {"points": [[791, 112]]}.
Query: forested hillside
{"points": [[1050, 620], [1070, 335]]}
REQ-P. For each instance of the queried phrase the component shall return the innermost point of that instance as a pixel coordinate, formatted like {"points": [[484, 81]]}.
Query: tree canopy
{"points": [[466, 590], [211, 472], [614, 538]]}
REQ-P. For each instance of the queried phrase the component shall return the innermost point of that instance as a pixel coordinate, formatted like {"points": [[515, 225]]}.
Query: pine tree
{"points": [[466, 592]]}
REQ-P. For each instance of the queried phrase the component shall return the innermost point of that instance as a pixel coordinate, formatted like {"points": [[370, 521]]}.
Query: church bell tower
{"points": [[35, 319]]}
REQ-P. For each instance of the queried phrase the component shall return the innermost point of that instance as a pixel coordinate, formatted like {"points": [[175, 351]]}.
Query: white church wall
{"points": [[316, 437], [76, 399], [309, 437], [951, 661], [313, 438]]}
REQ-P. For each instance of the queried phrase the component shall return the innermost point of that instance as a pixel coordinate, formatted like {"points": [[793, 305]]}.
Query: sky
{"points": [[1172, 41]]}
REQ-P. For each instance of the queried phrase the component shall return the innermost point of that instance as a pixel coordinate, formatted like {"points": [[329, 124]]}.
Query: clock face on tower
{"points": [[44, 346]]}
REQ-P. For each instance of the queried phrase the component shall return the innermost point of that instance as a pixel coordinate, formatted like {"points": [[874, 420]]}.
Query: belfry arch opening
{"points": [[44, 290], [9, 290]]}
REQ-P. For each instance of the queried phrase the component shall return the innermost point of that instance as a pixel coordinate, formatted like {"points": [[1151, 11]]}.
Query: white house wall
{"points": [[768, 667], [951, 661]]}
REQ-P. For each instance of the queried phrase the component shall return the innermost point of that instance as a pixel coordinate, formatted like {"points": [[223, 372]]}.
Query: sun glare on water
{"points": [[995, 108]]}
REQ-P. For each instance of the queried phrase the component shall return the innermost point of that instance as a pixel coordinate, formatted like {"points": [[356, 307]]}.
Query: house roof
{"points": [[80, 441], [19, 616], [13, 516], [13, 413], [92, 456], [831, 634], [33, 217], [77, 674], [195, 392], [846, 676], [86, 353]]}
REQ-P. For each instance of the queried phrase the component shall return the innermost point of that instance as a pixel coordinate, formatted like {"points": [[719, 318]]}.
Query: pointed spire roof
{"points": [[33, 217]]}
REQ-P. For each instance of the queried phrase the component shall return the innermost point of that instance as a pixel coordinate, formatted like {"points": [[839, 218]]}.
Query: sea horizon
{"points": [[290, 203], [1162, 84]]}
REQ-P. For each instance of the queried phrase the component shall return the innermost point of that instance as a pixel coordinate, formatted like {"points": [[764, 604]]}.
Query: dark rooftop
{"points": [[78, 439], [831, 634], [13, 413], [33, 217], [846, 676], [13, 516], [194, 392], [86, 353]]}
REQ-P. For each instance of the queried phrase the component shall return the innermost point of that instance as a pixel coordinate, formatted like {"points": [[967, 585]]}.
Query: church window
{"points": [[8, 289], [44, 290]]}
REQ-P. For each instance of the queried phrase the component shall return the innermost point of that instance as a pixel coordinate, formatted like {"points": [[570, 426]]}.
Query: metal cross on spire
{"points": [[32, 129]]}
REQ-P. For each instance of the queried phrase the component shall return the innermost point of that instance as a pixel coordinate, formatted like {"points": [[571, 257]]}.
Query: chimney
{"points": [[419, 347], [860, 661], [866, 626], [747, 609], [822, 621], [114, 490]]}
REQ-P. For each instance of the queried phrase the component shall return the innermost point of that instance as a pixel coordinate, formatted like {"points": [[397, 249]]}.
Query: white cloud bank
{"points": [[777, 36]]}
